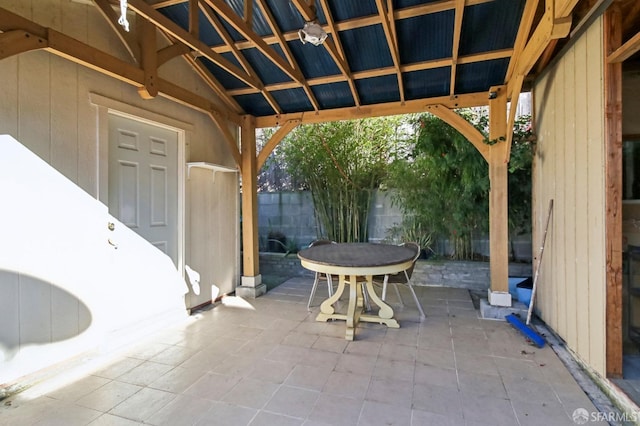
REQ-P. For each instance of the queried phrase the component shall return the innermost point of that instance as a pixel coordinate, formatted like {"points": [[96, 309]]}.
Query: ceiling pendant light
{"points": [[312, 33]]}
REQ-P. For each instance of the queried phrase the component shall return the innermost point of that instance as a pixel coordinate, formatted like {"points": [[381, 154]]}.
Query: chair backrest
{"points": [[320, 242], [404, 276]]}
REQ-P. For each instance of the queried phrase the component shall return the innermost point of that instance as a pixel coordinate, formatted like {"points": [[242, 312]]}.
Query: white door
{"points": [[143, 180]]}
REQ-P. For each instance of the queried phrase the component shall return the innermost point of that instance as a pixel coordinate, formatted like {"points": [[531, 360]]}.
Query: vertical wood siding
{"points": [[569, 168], [46, 106]]}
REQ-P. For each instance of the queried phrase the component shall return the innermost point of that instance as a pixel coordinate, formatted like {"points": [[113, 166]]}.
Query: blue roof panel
{"points": [[425, 38], [292, 100], [366, 48], [314, 61], [342, 10], [480, 76], [267, 71], [378, 89], [225, 78], [334, 95], [254, 104], [427, 83], [479, 25]]}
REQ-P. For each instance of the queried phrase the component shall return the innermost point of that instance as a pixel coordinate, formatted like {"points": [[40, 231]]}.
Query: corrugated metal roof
{"points": [[363, 62]]}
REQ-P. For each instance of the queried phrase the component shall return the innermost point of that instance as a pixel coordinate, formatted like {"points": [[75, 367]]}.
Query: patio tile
{"points": [[309, 377], [111, 420], [145, 373], [119, 367], [390, 369], [436, 358], [391, 391], [250, 393], [356, 364], [276, 365], [181, 411], [347, 384], [264, 418], [212, 386], [108, 396], [437, 399], [336, 410], [223, 414], [429, 375], [177, 380], [294, 402], [143, 404], [375, 414], [488, 409], [481, 384], [426, 418]]}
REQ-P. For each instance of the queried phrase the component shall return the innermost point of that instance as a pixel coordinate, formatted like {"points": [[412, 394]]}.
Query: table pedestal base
{"points": [[355, 311]]}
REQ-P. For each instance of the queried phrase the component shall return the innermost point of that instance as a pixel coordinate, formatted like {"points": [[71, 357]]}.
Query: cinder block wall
{"points": [[445, 273]]}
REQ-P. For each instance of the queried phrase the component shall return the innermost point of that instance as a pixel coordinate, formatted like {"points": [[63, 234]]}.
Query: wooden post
{"points": [[498, 195], [613, 193], [251, 279]]}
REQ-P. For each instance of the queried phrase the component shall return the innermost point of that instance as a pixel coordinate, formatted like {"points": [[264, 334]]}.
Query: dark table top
{"points": [[357, 254]]}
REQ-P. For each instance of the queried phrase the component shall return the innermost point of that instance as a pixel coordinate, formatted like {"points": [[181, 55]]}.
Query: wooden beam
{"points": [[107, 12], [229, 139], [149, 58], [194, 20], [612, 77], [514, 95], [215, 85], [624, 52], [250, 264], [83, 54], [266, 12], [385, 10], [457, 29], [283, 131], [172, 51], [379, 110], [526, 22], [465, 128], [498, 194], [165, 24], [14, 42]]}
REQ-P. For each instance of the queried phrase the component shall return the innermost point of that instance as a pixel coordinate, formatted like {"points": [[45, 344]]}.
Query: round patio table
{"points": [[355, 263]]}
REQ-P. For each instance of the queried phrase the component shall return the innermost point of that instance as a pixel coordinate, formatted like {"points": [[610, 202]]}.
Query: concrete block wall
{"points": [[292, 215], [443, 273]]}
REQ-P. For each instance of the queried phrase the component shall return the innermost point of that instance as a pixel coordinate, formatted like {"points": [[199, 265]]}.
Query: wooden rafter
{"points": [[287, 52], [457, 29], [334, 47], [212, 82], [523, 34], [624, 52], [129, 43], [385, 10], [234, 20], [164, 23], [215, 22], [194, 24]]}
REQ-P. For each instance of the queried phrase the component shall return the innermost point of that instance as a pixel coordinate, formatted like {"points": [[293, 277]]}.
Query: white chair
{"points": [[320, 276], [404, 278]]}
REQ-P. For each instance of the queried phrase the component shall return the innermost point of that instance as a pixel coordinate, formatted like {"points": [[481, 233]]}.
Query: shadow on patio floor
{"points": [[266, 361]]}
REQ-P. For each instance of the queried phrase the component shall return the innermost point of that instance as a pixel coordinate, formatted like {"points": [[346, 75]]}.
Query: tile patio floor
{"points": [[268, 362]]}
